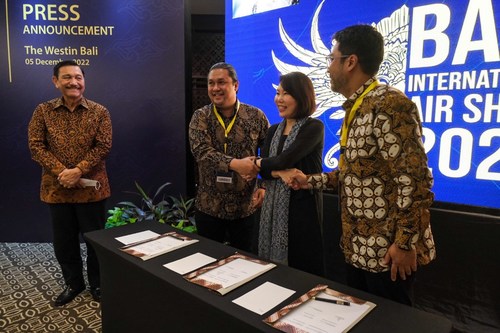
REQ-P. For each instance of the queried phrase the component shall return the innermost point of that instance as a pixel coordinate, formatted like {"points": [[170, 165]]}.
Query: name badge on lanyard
{"points": [[230, 126], [225, 177]]}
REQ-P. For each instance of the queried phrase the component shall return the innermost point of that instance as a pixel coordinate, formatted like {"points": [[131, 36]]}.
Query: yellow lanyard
{"points": [[230, 126], [347, 121]]}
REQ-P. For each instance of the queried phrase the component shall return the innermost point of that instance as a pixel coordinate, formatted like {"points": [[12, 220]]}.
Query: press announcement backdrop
{"points": [[133, 55]]}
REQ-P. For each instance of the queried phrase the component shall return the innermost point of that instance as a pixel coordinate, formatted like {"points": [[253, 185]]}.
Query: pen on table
{"points": [[334, 301]]}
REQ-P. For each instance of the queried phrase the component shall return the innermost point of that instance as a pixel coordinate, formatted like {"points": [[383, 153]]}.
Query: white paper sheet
{"points": [[137, 237], [229, 273], [264, 297], [321, 317], [232, 273], [189, 263], [160, 245]]}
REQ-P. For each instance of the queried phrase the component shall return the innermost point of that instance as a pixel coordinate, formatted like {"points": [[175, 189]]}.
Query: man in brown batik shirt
{"points": [[383, 180], [70, 137], [224, 137]]}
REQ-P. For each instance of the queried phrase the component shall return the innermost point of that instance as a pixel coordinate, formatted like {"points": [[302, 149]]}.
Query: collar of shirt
{"points": [[60, 103], [350, 101], [236, 108]]}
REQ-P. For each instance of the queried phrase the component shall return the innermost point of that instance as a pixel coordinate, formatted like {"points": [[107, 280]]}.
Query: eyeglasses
{"points": [[330, 58]]}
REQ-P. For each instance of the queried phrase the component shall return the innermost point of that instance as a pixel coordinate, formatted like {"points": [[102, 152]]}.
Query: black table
{"points": [[144, 296]]}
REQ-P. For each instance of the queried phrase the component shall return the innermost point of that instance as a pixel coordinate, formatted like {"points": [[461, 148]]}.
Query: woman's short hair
{"points": [[300, 87]]}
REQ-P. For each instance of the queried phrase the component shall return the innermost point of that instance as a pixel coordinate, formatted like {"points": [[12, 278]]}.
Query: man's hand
{"points": [[69, 178], [258, 197], [296, 179], [245, 167], [402, 262]]}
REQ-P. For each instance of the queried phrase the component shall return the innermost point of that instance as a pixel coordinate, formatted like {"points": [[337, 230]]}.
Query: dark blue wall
{"points": [[139, 74]]}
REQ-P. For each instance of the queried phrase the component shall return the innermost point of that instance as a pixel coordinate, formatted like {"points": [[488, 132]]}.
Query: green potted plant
{"points": [[177, 212], [119, 216], [181, 215]]}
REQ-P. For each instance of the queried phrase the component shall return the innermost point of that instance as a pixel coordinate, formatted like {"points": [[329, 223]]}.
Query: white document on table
{"points": [[321, 317], [158, 245], [189, 263], [137, 237], [264, 297], [229, 273], [234, 272]]}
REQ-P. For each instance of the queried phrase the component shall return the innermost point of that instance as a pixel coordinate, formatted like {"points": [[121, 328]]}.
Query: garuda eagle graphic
{"points": [[392, 70]]}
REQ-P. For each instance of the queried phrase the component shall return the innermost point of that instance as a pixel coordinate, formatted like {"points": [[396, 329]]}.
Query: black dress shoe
{"points": [[67, 295], [96, 293]]}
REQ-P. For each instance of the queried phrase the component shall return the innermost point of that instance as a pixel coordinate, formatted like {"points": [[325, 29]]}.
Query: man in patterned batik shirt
{"points": [[224, 138], [70, 137], [383, 180]]}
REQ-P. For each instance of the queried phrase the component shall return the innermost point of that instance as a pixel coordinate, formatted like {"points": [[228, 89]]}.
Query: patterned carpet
{"points": [[30, 280]]}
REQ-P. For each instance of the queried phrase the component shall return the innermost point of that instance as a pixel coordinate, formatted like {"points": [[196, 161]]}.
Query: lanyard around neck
{"points": [[348, 120], [230, 126]]}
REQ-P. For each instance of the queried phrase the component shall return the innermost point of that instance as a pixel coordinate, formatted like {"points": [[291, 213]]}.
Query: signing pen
{"points": [[334, 301]]}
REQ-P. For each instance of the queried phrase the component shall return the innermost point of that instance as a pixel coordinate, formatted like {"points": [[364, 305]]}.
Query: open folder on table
{"points": [[229, 273], [153, 247], [320, 310]]}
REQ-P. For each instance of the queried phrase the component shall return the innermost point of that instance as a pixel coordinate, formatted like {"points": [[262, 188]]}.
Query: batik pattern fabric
{"points": [[384, 181], [59, 138], [227, 201]]}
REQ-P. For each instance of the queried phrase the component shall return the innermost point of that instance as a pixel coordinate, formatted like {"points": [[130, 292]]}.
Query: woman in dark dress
{"points": [[290, 223]]}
